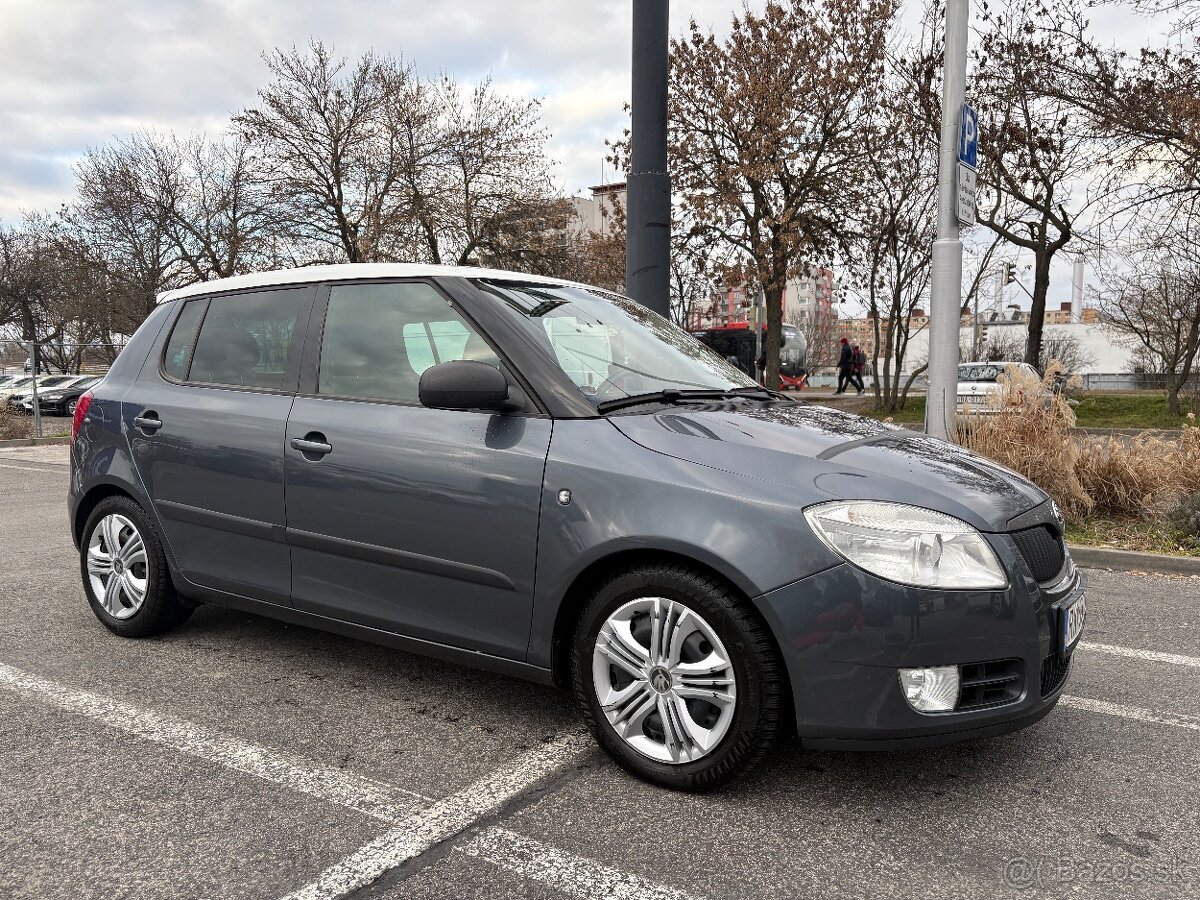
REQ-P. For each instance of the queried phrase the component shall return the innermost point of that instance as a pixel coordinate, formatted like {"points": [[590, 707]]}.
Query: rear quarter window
{"points": [[177, 357]]}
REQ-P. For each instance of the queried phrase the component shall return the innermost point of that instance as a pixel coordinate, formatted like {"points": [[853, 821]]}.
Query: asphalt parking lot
{"points": [[241, 757]]}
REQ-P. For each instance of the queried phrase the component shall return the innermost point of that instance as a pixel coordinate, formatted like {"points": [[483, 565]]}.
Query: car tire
{"points": [[71, 407], [142, 602], [709, 623]]}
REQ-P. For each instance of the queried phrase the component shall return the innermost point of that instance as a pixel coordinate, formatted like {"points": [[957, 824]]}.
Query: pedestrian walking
{"points": [[845, 366], [858, 362]]}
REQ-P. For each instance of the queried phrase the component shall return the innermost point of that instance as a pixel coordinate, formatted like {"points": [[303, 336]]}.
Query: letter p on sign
{"points": [[968, 137]]}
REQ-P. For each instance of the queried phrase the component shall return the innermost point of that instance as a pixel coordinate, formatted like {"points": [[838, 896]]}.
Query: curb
{"points": [[36, 442], [1132, 561]]}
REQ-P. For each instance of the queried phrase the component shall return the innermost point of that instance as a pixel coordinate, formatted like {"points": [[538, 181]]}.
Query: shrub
{"points": [[1032, 437], [1185, 516], [13, 426], [1119, 478]]}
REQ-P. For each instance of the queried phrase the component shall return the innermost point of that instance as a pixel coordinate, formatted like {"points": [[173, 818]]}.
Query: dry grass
{"points": [[1131, 478], [12, 427]]}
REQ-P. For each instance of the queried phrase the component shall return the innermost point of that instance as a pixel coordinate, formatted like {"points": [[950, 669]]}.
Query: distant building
{"points": [[862, 331], [599, 212], [805, 300]]}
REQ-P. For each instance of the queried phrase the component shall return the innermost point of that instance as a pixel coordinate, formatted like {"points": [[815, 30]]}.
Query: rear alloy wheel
{"points": [[676, 677], [125, 571], [71, 407], [116, 566]]}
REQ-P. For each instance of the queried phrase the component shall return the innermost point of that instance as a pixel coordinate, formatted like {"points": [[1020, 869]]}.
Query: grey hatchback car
{"points": [[547, 480]]}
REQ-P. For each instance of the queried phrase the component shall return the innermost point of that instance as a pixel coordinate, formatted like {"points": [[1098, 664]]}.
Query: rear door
{"points": [[206, 424], [412, 520]]}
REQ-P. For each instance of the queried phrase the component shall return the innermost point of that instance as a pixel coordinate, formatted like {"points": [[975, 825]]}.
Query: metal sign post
{"points": [[760, 307], [37, 408], [946, 279]]}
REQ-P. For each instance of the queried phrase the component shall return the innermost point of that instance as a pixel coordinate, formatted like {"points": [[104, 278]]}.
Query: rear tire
{"points": [[125, 573], [702, 708]]}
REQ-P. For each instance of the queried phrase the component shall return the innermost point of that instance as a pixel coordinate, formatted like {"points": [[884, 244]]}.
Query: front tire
{"points": [[676, 677], [125, 574]]}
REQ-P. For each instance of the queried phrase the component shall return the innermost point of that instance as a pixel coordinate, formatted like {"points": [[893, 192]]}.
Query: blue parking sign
{"points": [[968, 137]]}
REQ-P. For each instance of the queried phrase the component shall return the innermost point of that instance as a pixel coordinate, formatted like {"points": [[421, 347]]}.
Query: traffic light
{"points": [[1008, 274]]}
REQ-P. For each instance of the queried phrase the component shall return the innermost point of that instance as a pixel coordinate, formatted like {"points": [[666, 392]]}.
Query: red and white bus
{"points": [[735, 342]]}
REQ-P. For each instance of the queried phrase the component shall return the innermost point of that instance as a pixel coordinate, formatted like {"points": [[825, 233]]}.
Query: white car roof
{"points": [[348, 272]]}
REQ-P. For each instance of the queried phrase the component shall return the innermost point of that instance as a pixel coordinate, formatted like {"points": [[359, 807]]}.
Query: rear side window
{"points": [[247, 339], [177, 356], [379, 338]]}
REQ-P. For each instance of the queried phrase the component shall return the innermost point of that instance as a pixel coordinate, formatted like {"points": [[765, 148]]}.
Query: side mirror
{"points": [[463, 384]]}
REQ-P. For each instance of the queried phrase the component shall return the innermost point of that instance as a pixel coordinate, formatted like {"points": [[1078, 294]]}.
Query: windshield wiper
{"points": [[672, 397]]}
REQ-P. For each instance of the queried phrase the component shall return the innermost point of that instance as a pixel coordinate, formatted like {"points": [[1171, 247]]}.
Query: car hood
{"points": [[819, 454]]}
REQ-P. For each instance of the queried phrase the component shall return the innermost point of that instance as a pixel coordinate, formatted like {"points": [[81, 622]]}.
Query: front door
{"points": [[206, 422], [412, 520]]}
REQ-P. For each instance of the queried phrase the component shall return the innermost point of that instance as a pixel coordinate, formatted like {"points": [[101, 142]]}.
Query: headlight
{"points": [[907, 544]]}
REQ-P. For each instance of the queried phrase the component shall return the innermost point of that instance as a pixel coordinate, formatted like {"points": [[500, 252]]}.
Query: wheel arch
{"points": [[93, 498]]}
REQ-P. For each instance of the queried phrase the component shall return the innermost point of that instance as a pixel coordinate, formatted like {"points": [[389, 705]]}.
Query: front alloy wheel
{"points": [[664, 680], [677, 676]]}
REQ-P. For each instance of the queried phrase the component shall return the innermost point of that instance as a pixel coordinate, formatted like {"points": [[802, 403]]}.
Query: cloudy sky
{"points": [[77, 73]]}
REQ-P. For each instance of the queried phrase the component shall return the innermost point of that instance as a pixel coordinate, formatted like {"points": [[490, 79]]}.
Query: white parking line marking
{"points": [[566, 872], [30, 468], [364, 795], [443, 819], [1151, 655], [1136, 713]]}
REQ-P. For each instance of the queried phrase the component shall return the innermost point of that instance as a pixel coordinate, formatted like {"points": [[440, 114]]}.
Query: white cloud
{"points": [[77, 73]]}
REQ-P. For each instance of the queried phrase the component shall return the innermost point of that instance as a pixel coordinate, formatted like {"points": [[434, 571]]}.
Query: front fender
{"points": [[625, 497]]}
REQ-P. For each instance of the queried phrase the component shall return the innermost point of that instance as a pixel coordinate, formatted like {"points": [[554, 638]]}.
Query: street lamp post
{"points": [[648, 191], [946, 280]]}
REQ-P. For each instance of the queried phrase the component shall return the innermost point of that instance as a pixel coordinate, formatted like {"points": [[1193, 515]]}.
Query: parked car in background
{"points": [[548, 480], [60, 400], [24, 385], [15, 399], [981, 391]]}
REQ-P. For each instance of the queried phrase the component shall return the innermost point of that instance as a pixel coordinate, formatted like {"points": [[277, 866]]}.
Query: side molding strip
{"points": [[401, 559]]}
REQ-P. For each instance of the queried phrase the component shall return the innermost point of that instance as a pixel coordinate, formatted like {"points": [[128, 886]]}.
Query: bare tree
{"points": [[331, 153], [1033, 152], [766, 135], [820, 337], [899, 224], [125, 232], [495, 179], [1155, 302], [1067, 350]]}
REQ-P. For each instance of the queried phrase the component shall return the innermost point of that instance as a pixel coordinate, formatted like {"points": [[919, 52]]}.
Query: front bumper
{"points": [[844, 634]]}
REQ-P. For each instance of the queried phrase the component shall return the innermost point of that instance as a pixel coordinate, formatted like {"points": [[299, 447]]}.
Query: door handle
{"points": [[149, 422], [308, 444]]}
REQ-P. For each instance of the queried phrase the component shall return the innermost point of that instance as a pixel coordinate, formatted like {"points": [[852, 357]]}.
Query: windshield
{"points": [[610, 346]]}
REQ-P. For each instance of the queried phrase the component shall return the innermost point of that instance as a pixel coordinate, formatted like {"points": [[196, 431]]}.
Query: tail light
{"points": [[81, 408]]}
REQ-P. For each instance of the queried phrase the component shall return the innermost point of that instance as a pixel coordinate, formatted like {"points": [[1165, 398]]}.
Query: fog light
{"points": [[934, 689]]}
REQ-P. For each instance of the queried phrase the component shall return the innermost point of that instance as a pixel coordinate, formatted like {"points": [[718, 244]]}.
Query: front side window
{"points": [[248, 339], [379, 338], [610, 346]]}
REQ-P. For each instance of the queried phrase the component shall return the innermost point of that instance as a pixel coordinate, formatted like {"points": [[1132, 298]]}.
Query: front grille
{"points": [[990, 684], [1043, 551], [1054, 672]]}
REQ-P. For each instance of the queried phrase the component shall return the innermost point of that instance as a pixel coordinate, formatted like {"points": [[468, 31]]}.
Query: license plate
{"points": [[1072, 622]]}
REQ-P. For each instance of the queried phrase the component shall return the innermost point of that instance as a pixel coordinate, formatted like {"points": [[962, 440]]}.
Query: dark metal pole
{"points": [[648, 211]]}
